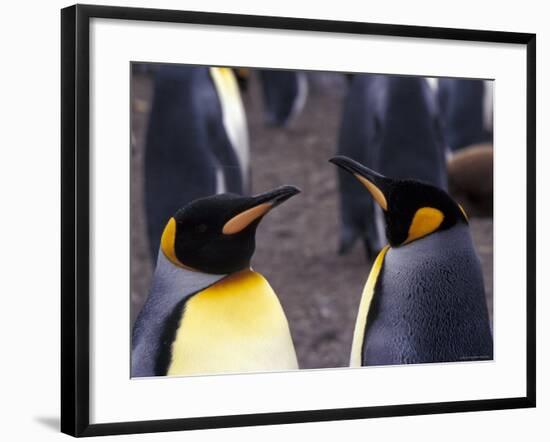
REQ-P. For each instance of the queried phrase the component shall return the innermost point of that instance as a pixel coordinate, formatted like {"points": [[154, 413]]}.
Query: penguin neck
{"points": [[181, 279], [456, 238]]}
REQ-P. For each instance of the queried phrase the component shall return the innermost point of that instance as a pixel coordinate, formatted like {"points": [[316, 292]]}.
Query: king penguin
{"points": [[196, 141], [424, 300], [207, 310]]}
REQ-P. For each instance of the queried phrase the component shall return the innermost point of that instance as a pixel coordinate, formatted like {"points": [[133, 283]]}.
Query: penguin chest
{"points": [[235, 325]]}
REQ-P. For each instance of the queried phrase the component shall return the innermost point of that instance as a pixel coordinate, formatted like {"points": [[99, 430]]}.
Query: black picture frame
{"points": [[75, 212]]}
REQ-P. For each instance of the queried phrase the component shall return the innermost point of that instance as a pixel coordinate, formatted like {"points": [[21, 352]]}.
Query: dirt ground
{"points": [[297, 242]]}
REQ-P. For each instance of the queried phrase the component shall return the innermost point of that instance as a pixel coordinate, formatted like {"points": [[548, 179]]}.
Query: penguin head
{"points": [[412, 209], [216, 234]]}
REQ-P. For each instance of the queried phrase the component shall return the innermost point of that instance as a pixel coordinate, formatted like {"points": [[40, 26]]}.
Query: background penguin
{"points": [[284, 94], [467, 109], [424, 299], [391, 124], [207, 311], [196, 143]]}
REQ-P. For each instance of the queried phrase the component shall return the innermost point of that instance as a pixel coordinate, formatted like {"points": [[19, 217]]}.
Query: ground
{"points": [[297, 242]]}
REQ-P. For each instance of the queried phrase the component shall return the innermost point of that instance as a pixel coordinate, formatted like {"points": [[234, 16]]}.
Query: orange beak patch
{"points": [[244, 219], [374, 191]]}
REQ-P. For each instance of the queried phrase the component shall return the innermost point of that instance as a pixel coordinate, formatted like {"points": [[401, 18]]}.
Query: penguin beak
{"points": [[375, 183], [259, 205], [276, 196]]}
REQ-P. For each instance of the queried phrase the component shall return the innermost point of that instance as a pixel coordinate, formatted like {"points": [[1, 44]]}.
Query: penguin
{"points": [[207, 311], [466, 108], [196, 141], [424, 300], [390, 124], [284, 94]]}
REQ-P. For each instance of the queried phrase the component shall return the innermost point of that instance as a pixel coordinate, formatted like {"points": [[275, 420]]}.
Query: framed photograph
{"points": [[273, 220]]}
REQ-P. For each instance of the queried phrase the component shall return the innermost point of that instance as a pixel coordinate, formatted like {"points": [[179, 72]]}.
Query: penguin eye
{"points": [[201, 228]]}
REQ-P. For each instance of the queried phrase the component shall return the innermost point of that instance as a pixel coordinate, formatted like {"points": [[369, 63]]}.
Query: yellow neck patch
{"points": [[426, 220], [167, 242], [366, 299], [235, 325]]}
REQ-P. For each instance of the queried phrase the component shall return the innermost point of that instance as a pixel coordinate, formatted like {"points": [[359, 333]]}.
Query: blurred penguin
{"points": [[284, 94], [390, 124], [467, 109], [196, 143]]}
